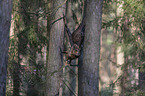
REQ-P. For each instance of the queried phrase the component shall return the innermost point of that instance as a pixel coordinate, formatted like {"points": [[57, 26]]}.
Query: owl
{"points": [[76, 39]]}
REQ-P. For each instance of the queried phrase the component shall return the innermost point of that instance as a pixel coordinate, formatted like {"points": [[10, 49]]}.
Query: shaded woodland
{"points": [[72, 48]]}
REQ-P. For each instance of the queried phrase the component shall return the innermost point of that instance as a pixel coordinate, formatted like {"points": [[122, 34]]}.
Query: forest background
{"points": [[37, 38]]}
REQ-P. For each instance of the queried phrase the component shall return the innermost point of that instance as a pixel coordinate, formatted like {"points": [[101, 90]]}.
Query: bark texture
{"points": [[54, 58], [5, 19], [69, 79], [89, 69]]}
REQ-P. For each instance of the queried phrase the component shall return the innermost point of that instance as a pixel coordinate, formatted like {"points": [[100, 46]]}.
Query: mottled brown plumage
{"points": [[73, 53], [78, 35], [76, 40]]}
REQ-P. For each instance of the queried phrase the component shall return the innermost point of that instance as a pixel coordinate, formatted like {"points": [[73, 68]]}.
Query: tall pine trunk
{"points": [[54, 71], [70, 78], [5, 19], [89, 69]]}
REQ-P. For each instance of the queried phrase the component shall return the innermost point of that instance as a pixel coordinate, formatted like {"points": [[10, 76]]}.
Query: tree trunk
{"points": [[142, 58], [70, 78], [89, 70], [5, 19], [124, 79], [16, 60], [54, 58]]}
